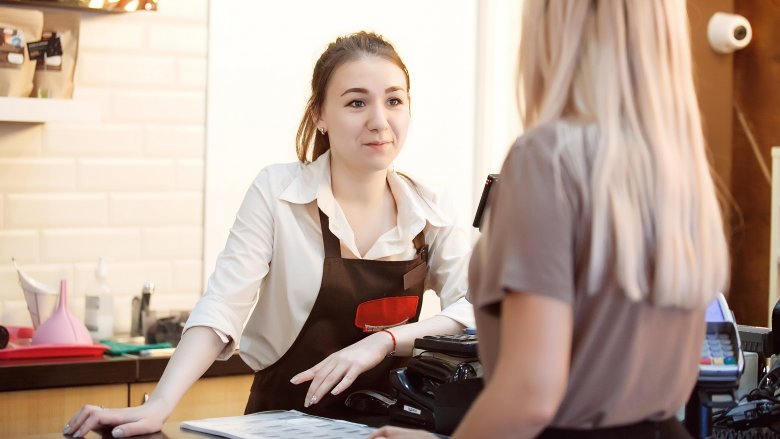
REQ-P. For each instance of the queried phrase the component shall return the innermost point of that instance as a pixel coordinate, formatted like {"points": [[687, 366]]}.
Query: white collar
{"points": [[416, 202]]}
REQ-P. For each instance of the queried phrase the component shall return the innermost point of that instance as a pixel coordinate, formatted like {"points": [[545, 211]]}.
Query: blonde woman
{"points": [[605, 241]]}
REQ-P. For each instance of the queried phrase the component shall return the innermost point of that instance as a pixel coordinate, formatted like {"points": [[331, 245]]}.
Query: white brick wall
{"points": [[129, 188]]}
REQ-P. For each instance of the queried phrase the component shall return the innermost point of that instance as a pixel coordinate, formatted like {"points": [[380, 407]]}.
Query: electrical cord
{"points": [[758, 408], [753, 144]]}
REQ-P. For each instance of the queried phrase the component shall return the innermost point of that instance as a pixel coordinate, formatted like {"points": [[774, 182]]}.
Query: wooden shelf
{"points": [[80, 5], [34, 110]]}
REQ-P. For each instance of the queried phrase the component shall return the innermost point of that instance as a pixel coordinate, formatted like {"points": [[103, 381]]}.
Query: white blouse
{"points": [[271, 267]]}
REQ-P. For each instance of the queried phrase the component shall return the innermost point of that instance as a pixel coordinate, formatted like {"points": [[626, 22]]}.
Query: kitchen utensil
{"points": [[62, 327], [40, 298]]}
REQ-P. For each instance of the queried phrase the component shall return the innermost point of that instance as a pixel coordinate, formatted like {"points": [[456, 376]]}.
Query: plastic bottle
{"points": [[99, 315]]}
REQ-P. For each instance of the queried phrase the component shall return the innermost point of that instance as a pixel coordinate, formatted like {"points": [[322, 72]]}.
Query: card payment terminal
{"points": [[721, 356]]}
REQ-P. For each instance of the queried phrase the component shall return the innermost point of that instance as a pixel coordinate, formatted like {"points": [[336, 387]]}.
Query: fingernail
{"points": [[294, 379], [306, 403], [313, 400], [77, 433], [335, 391], [117, 432], [66, 430]]}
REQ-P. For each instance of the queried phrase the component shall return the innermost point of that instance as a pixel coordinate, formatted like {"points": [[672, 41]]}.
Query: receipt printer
{"points": [[437, 387]]}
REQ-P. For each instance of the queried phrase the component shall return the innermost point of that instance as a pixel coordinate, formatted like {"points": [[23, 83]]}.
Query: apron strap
{"points": [[332, 244]]}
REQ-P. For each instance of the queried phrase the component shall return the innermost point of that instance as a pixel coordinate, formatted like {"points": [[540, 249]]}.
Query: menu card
{"points": [[279, 424]]}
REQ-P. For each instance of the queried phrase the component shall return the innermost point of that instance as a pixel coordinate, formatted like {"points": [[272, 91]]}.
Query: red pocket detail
{"points": [[379, 314]]}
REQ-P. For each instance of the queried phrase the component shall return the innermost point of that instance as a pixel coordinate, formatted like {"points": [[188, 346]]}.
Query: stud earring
{"points": [[322, 130]]}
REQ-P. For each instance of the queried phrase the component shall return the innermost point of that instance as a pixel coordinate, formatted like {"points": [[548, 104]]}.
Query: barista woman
{"points": [[335, 253], [604, 242]]}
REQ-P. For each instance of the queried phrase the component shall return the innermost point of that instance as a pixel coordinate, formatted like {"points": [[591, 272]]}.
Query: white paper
{"points": [[280, 424]]}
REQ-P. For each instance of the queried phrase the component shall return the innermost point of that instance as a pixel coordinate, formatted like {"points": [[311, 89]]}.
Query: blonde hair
{"points": [[625, 66]]}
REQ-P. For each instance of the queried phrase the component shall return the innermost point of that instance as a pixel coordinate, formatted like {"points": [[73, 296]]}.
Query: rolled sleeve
{"points": [[232, 289], [213, 312], [461, 311]]}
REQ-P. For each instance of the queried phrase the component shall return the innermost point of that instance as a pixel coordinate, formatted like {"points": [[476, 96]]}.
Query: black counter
{"points": [[45, 373], [171, 430]]}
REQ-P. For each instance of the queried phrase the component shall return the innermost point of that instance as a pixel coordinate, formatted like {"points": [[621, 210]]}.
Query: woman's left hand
{"points": [[340, 369], [400, 433]]}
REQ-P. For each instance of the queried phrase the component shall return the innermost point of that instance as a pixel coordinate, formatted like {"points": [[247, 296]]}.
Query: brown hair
{"points": [[344, 49]]}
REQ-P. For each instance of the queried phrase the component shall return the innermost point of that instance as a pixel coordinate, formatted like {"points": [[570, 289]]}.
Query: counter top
{"points": [[170, 430], [45, 373]]}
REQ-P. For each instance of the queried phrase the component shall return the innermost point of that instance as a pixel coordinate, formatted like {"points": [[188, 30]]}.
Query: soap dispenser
{"points": [[99, 315]]}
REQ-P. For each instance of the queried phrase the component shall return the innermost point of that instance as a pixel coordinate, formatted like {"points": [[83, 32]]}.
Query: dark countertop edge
{"points": [[126, 369], [151, 369]]}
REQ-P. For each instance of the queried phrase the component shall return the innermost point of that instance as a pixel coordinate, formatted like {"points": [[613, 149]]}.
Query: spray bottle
{"points": [[99, 315]]}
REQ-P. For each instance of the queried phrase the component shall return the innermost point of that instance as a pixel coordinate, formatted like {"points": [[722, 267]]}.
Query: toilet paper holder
{"points": [[728, 32]]}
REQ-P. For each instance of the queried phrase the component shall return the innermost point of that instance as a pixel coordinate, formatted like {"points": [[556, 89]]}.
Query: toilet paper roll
{"points": [[728, 32]]}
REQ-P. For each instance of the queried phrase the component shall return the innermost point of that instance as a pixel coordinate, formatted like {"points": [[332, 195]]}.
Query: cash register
{"points": [[720, 366], [438, 385], [721, 358]]}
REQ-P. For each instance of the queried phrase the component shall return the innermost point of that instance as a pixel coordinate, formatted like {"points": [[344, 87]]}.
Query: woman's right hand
{"points": [[130, 421]]}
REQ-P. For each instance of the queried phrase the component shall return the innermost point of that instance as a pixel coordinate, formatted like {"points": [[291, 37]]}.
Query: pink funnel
{"points": [[62, 327]]}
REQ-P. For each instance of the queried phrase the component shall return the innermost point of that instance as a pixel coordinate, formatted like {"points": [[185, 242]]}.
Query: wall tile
{"points": [[20, 244], [88, 245], [100, 69], [189, 175], [173, 242], [165, 303], [9, 284], [157, 209], [126, 278], [37, 174], [176, 141], [20, 139], [15, 313], [86, 140], [111, 34], [192, 72], [102, 96], [125, 174], [56, 210], [159, 107], [184, 9], [187, 276], [122, 312], [184, 38]]}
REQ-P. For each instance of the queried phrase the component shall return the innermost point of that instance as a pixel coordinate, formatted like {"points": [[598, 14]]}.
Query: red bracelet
{"points": [[392, 352]]}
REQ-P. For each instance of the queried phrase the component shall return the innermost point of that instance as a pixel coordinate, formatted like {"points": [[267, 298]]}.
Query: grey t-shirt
{"points": [[630, 361]]}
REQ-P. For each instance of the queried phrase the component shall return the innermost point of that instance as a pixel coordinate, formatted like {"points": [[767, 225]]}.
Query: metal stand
{"points": [[698, 410]]}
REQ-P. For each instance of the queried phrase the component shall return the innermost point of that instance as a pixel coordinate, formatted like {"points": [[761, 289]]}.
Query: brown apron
{"points": [[356, 297]]}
